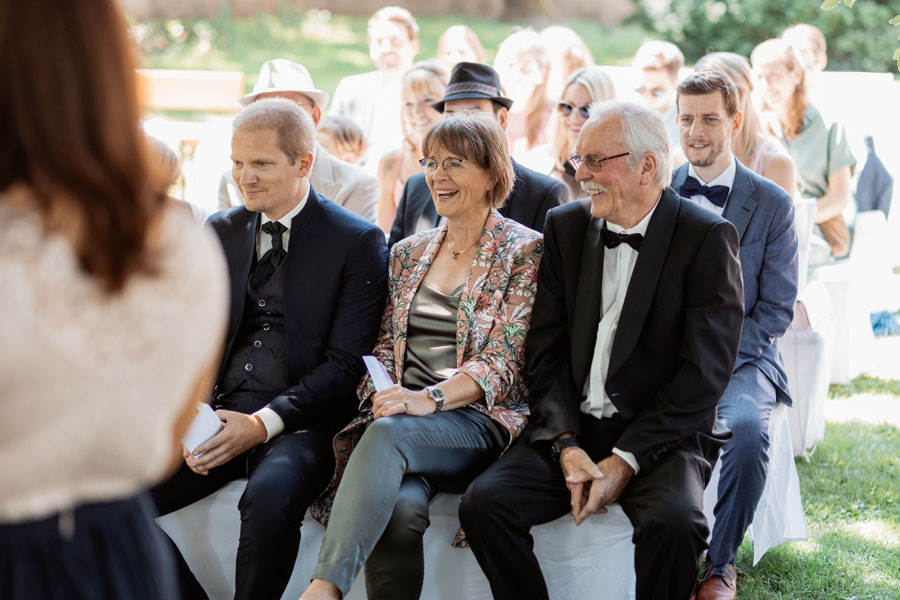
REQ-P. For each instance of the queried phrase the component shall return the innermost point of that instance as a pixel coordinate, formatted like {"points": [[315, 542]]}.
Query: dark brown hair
{"points": [[700, 83], [69, 113], [477, 137]]}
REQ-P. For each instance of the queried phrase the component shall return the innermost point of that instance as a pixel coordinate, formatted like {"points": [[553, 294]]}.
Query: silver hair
{"points": [[643, 132], [295, 128]]}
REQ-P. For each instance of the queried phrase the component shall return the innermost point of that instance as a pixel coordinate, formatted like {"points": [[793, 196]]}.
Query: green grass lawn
{"points": [[851, 496], [330, 48]]}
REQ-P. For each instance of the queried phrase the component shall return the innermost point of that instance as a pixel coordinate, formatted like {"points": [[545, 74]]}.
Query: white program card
{"points": [[205, 425], [379, 374]]}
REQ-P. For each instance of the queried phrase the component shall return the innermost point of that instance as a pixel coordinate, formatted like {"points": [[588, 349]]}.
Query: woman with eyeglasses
{"points": [[421, 86], [452, 341], [584, 87]]}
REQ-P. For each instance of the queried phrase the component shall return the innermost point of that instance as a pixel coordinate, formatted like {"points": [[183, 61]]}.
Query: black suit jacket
{"points": [[532, 196], [335, 286], [677, 337]]}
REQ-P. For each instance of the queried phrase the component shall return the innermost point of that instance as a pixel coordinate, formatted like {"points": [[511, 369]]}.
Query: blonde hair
{"points": [[423, 77], [459, 33], [528, 42], [782, 52], [397, 15], [600, 87], [165, 166], [292, 124]]}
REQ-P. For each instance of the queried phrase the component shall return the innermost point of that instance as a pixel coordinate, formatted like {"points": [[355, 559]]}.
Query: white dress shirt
{"points": [[725, 178], [273, 423], [618, 265]]}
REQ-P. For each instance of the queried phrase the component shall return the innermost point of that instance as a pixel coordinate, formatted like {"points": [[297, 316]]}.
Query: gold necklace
{"points": [[456, 254]]}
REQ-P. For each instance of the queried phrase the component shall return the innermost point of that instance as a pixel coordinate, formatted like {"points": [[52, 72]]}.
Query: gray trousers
{"points": [[380, 511]]}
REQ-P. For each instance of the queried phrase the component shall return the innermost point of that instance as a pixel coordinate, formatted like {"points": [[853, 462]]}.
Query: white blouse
{"points": [[91, 383]]}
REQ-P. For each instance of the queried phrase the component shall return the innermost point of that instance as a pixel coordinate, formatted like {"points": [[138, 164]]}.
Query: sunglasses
{"points": [[566, 109]]}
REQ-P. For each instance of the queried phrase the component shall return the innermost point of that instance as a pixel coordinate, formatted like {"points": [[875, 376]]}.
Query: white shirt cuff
{"points": [[627, 457], [274, 424]]}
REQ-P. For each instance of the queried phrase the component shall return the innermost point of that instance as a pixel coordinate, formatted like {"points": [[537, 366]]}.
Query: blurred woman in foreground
{"points": [[113, 309]]}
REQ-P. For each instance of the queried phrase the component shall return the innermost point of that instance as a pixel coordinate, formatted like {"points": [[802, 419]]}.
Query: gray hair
{"points": [[643, 132], [294, 126]]}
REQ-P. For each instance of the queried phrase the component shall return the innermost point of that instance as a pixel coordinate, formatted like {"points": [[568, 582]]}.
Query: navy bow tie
{"points": [[716, 194], [611, 239]]}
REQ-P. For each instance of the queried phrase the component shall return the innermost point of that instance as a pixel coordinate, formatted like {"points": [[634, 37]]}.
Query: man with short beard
{"points": [[762, 213]]}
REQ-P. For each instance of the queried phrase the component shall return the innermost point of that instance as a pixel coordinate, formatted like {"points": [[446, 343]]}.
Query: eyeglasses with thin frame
{"points": [[450, 165], [593, 162], [566, 109]]}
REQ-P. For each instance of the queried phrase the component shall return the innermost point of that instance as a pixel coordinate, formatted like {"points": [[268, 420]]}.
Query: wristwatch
{"points": [[438, 397], [559, 445]]}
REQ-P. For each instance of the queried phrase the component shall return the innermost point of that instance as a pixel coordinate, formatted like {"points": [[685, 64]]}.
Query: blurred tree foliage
{"points": [[858, 40]]}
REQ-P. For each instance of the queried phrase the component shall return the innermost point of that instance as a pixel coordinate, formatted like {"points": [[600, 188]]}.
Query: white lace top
{"points": [[91, 383]]}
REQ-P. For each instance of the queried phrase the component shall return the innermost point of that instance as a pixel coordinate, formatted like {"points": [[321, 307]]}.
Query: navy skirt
{"points": [[93, 552]]}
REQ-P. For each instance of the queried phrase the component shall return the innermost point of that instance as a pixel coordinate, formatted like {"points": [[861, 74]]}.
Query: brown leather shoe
{"points": [[717, 582]]}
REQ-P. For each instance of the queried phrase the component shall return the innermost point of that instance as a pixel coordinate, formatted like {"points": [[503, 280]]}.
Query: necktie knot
{"points": [[717, 194], [275, 230], [612, 239]]}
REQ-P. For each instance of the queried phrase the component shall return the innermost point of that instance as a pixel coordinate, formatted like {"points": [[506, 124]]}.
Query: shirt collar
{"points": [[725, 178], [286, 219], [641, 227]]}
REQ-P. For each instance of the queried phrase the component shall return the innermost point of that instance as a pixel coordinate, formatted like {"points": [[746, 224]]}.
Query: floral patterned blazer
{"points": [[492, 322]]}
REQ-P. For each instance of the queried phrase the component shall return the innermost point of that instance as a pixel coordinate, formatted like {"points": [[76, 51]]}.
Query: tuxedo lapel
{"points": [[741, 205], [588, 302], [642, 287]]}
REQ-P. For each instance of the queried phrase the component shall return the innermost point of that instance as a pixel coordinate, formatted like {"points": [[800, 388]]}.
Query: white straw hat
{"points": [[282, 75]]}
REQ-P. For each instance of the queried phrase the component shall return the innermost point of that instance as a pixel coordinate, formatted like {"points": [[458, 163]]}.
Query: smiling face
{"points": [[417, 114], [619, 193], [776, 82], [575, 95], [706, 132], [460, 191], [269, 182]]}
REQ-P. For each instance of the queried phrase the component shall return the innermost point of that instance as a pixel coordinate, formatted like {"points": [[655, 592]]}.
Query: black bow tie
{"points": [[611, 239], [269, 262], [716, 194]]}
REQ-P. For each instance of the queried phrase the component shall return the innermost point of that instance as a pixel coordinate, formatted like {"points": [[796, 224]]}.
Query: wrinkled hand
{"points": [[239, 433], [592, 493], [398, 400]]}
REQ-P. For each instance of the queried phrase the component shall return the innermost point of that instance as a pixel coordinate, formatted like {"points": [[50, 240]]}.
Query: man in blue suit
{"points": [[476, 87], [308, 282], [762, 213]]}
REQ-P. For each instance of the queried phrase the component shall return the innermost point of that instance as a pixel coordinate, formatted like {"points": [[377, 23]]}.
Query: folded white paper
{"points": [[379, 374], [205, 425]]}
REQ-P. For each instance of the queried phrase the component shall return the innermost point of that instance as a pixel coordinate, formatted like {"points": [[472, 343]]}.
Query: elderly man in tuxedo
{"points": [[763, 214], [635, 331], [308, 283], [476, 87], [339, 181]]}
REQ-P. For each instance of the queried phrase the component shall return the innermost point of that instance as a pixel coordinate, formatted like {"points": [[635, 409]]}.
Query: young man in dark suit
{"points": [[635, 330], [474, 86], [308, 282], [763, 214]]}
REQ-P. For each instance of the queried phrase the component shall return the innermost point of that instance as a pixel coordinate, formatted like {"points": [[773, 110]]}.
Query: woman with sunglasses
{"points": [[452, 341], [583, 87]]}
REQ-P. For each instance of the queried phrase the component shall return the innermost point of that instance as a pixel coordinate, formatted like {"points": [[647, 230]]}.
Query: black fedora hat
{"points": [[473, 80]]}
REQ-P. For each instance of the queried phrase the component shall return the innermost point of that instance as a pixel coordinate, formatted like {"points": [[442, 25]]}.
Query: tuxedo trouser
{"points": [[284, 476], [526, 487], [744, 409], [399, 463]]}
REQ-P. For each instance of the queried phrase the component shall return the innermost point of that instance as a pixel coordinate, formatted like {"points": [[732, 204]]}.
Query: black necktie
{"points": [[269, 261], [611, 239], [716, 194]]}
